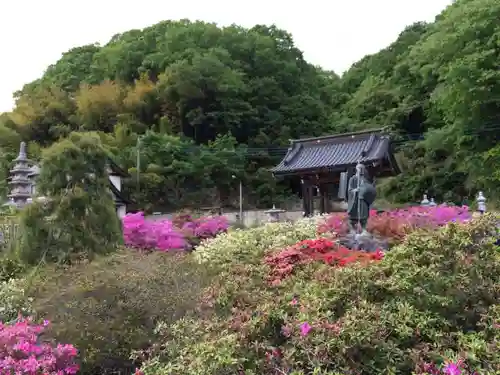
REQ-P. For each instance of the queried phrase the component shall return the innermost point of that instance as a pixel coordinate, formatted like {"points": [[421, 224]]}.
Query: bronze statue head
{"points": [[360, 169]]}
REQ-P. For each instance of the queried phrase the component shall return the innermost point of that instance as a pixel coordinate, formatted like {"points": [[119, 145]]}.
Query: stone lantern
{"points": [[481, 203], [274, 214], [425, 201]]}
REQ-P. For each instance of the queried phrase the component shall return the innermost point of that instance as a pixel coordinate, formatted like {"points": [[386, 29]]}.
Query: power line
{"points": [[276, 151]]}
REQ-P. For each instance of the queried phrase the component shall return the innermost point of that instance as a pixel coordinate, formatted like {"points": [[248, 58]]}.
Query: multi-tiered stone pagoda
{"points": [[20, 183]]}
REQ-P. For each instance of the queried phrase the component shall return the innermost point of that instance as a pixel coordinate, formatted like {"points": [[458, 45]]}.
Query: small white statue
{"points": [[432, 203]]}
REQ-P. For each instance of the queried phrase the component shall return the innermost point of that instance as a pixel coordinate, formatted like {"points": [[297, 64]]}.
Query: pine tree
{"points": [[78, 218]]}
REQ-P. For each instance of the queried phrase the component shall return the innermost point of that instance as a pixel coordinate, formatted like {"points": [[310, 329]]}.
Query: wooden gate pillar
{"points": [[307, 197]]}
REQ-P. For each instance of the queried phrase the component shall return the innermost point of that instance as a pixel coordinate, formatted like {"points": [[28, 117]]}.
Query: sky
{"points": [[333, 34]]}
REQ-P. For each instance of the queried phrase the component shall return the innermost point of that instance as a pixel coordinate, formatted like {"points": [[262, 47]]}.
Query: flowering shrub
{"points": [[10, 266], [284, 262], [429, 307], [23, 352], [163, 235], [182, 218], [151, 235], [459, 367], [204, 228], [396, 224], [249, 246], [13, 300]]}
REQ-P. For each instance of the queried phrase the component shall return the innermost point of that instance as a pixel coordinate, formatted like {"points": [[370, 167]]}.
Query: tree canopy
{"points": [[203, 106]]}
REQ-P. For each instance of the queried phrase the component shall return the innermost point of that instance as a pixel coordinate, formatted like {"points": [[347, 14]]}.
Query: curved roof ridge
{"points": [[340, 135]]}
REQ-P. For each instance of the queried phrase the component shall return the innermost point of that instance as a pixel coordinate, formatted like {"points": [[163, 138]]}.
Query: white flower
{"points": [[229, 247], [13, 300]]}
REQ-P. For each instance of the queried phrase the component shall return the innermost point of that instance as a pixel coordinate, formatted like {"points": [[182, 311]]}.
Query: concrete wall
{"points": [[253, 217], [250, 218], [259, 217]]}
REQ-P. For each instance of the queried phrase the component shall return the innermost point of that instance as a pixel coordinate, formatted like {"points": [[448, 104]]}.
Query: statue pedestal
{"points": [[364, 235], [363, 241]]}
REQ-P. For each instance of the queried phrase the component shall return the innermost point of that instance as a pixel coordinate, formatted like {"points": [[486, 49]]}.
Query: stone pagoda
{"points": [[20, 183]]}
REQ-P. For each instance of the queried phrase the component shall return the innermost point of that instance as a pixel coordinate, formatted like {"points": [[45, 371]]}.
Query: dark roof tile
{"points": [[335, 152]]}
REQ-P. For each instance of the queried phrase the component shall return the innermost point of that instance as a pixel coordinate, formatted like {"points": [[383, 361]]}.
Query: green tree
{"points": [[440, 82], [197, 81], [224, 164], [73, 68], [43, 113], [171, 174], [78, 219], [9, 146]]}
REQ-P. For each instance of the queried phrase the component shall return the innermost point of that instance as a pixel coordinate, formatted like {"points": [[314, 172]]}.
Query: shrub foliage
{"points": [[23, 351], [14, 300], [429, 305], [78, 220], [110, 306]]}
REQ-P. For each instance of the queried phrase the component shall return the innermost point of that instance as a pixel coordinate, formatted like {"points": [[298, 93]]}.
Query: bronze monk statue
{"points": [[361, 195]]}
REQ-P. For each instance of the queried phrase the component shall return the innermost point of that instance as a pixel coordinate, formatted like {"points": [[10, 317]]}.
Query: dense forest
{"points": [[197, 107]]}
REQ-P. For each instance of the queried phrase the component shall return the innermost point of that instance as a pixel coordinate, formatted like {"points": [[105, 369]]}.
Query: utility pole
{"points": [[138, 162], [241, 201], [241, 198]]}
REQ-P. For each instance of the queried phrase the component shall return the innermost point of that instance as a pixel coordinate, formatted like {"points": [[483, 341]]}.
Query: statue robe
{"points": [[363, 198]]}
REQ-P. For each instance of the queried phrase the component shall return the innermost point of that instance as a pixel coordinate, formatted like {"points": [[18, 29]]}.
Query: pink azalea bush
{"points": [[163, 235], [208, 227], [150, 235], [396, 224], [23, 352]]}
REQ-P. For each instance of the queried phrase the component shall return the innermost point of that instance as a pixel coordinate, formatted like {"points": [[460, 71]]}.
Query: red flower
{"points": [[378, 255], [284, 262]]}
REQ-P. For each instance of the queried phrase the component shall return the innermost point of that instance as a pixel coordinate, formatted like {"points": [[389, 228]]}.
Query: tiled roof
{"points": [[335, 152]]}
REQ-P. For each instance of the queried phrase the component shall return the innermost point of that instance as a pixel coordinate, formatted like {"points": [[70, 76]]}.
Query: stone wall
{"points": [[259, 217], [254, 217], [250, 218]]}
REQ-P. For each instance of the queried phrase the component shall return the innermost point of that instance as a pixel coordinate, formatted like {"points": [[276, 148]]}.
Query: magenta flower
{"points": [[24, 352], [452, 369], [163, 235], [305, 328], [413, 217]]}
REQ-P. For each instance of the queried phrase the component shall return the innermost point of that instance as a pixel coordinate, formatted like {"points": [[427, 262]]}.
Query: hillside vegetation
{"points": [[217, 105]]}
